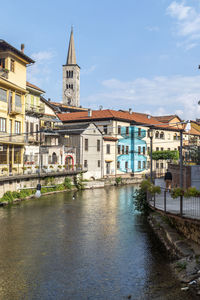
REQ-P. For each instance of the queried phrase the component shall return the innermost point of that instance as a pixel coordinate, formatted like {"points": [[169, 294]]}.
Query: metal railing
{"points": [[182, 206]]}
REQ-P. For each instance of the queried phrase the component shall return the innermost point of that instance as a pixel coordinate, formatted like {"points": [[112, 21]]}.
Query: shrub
{"points": [[177, 192], [140, 201], [118, 180], [191, 192], [8, 197], [67, 183], [5, 169]]}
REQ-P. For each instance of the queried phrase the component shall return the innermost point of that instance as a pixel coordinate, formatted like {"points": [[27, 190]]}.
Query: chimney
{"points": [[130, 111], [22, 48], [49, 99], [89, 112]]}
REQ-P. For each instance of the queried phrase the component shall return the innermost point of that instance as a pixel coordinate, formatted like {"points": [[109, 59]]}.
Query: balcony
{"points": [[4, 72], [35, 109], [140, 135], [12, 139], [14, 110], [32, 139]]}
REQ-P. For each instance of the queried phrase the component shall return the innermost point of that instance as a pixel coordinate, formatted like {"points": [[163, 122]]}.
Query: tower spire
{"points": [[71, 56]]}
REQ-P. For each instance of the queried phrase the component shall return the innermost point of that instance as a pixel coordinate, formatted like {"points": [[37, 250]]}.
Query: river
{"points": [[92, 247]]}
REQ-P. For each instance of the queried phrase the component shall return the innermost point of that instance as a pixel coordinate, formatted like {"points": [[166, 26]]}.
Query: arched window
{"points": [[162, 136], [157, 135], [54, 158]]}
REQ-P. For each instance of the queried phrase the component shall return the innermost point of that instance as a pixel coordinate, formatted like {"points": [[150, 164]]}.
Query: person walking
{"points": [[168, 180]]}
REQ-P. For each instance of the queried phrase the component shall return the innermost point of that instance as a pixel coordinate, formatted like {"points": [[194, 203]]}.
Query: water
{"points": [[90, 247]]}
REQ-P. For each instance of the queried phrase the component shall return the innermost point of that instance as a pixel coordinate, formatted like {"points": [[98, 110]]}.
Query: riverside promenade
{"points": [[190, 208]]}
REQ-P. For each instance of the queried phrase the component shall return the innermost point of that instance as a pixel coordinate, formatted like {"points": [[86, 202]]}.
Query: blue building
{"points": [[132, 150]]}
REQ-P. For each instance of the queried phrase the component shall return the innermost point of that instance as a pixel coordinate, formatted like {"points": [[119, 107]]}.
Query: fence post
{"points": [[165, 192], [181, 205]]}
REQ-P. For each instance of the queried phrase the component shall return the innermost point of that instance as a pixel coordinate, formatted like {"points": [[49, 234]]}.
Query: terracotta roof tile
{"points": [[138, 118], [34, 86]]}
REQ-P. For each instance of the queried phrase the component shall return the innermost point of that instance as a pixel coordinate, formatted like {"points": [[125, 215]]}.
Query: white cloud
{"points": [[159, 95], [187, 22], [40, 72], [89, 70], [42, 55]]}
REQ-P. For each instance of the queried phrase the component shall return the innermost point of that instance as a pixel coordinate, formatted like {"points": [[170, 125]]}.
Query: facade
{"points": [[71, 77], [87, 141], [131, 144], [13, 65]]}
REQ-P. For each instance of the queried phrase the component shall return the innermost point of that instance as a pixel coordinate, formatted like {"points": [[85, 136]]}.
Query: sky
{"points": [[134, 54]]}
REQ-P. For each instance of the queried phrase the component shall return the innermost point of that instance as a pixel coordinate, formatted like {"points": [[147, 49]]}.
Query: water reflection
{"points": [[90, 247]]}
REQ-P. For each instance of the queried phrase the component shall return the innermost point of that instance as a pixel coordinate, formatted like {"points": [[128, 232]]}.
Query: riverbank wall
{"points": [[180, 240]]}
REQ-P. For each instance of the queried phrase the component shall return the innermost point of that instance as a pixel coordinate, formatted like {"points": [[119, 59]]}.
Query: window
{"points": [[54, 158], [18, 100], [126, 165], [157, 148], [3, 156], [105, 129], [119, 129], [143, 151], [108, 148], [2, 63], [86, 144], [139, 149], [123, 149], [162, 149], [12, 65], [168, 149], [139, 165], [2, 124], [127, 149], [99, 163], [3, 95], [17, 155], [157, 165], [144, 164], [17, 127], [148, 149], [69, 74], [31, 128], [85, 164], [148, 165], [161, 165], [157, 135], [98, 145], [118, 165], [118, 149], [127, 130], [37, 134], [139, 131], [162, 135], [169, 136]]}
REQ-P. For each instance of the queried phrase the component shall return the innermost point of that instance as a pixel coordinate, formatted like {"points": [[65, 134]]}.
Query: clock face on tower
{"points": [[68, 92]]}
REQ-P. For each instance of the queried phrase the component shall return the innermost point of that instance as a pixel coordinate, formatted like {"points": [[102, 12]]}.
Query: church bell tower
{"points": [[71, 77]]}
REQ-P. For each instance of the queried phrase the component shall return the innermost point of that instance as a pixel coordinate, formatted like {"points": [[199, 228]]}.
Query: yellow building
{"points": [[13, 65]]}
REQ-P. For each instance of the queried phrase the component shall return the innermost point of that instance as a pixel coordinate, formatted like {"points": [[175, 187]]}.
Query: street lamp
{"points": [[150, 134]]}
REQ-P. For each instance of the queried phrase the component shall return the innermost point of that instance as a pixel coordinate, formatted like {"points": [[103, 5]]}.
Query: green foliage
{"points": [[177, 192], [118, 180], [155, 189], [140, 201], [145, 185], [192, 192], [68, 183], [49, 181], [7, 197], [166, 154], [5, 169]]}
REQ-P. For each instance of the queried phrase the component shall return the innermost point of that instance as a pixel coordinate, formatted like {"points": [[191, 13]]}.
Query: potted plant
{"points": [[4, 170], [59, 167]]}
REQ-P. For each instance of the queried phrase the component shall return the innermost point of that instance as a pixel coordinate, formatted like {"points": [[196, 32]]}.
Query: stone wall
{"points": [[175, 170]]}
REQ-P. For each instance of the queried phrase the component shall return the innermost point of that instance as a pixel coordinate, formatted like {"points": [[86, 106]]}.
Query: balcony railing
{"points": [[4, 72], [14, 110], [16, 139], [35, 109]]}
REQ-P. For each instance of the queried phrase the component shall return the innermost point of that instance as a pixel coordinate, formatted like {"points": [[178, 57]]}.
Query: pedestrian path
{"points": [[191, 206]]}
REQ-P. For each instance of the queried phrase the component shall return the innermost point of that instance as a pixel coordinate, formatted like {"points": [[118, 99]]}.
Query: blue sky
{"points": [[139, 54]]}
